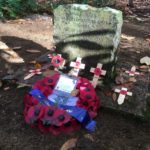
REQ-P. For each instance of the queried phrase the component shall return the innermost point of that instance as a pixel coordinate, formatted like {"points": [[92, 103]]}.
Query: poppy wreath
{"points": [[55, 119]]}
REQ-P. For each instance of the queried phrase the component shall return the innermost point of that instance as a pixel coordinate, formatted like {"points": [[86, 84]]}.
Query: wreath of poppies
{"points": [[51, 118]]}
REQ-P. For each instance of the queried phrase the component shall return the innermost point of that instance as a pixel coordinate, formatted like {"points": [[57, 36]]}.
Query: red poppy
{"points": [[70, 126], [52, 80], [87, 93], [57, 61], [34, 113], [53, 119], [61, 117]]}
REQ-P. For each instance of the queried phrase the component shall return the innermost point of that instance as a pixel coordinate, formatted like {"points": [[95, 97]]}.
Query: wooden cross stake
{"points": [[122, 94], [76, 66], [32, 73], [97, 73], [132, 72]]}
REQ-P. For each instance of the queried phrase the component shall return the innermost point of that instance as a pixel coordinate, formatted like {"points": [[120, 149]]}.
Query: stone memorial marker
{"points": [[87, 32]]}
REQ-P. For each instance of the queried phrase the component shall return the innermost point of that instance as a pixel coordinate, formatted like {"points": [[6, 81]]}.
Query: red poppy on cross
{"points": [[132, 72], [32, 73], [97, 73], [122, 94], [77, 66]]}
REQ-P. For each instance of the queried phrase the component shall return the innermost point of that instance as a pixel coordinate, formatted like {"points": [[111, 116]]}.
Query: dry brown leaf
{"points": [[33, 51], [75, 92], [143, 67], [1, 83], [89, 136], [132, 79], [114, 96], [6, 88], [17, 48], [37, 66], [71, 143], [147, 39]]}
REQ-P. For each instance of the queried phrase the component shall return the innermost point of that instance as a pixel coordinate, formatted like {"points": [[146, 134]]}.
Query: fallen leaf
{"points": [[6, 88], [16, 48], [89, 136], [147, 39], [3, 45], [143, 67], [32, 62], [127, 37], [10, 56], [1, 83], [132, 79], [37, 66], [71, 143], [33, 51], [114, 96], [21, 85], [145, 60]]}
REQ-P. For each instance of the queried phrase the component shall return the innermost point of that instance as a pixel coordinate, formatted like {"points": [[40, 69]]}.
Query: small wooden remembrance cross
{"points": [[132, 72], [97, 73], [122, 94], [32, 73], [77, 66]]}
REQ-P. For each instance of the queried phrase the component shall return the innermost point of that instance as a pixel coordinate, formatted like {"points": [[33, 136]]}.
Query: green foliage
{"points": [[15, 8]]}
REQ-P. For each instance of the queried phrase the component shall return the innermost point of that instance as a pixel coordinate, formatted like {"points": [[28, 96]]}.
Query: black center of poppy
{"points": [[85, 103], [57, 61], [50, 112], [61, 118], [68, 124], [46, 122], [87, 89], [37, 112], [88, 96], [50, 80]]}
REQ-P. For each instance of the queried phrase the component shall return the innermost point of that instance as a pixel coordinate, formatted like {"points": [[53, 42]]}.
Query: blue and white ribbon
{"points": [[80, 114]]}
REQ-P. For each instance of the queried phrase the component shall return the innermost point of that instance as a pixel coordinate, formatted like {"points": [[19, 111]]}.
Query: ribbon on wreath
{"points": [[79, 114]]}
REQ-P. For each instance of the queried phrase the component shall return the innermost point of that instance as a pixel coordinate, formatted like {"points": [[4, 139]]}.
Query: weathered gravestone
{"points": [[87, 32]]}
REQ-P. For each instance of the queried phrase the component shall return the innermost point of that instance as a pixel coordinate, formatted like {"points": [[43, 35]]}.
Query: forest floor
{"points": [[115, 131]]}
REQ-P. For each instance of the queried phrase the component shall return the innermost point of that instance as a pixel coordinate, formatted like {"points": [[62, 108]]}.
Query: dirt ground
{"points": [[114, 131]]}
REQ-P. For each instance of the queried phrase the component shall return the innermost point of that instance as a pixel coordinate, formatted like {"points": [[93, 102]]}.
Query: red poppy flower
{"points": [[55, 130], [48, 118], [51, 81], [57, 61], [43, 129], [29, 100], [87, 94], [61, 117], [34, 113], [70, 126], [53, 119]]}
